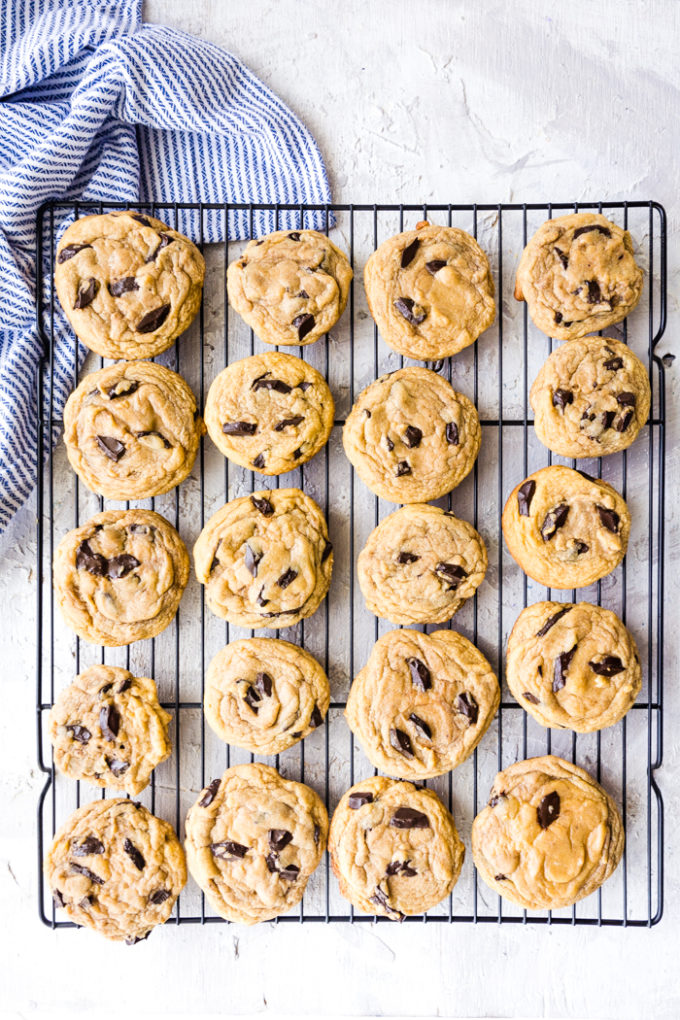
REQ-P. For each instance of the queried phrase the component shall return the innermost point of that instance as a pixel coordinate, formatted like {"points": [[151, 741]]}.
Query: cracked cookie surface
{"points": [[590, 398], [264, 694], [291, 286], [127, 283], [430, 291], [394, 848], [270, 412], [420, 565], [422, 702], [116, 868], [574, 666], [107, 728], [578, 275], [265, 559], [132, 430], [411, 437], [549, 836], [120, 577], [253, 839], [565, 529]]}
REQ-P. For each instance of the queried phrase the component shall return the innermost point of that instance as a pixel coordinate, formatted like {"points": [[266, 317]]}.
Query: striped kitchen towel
{"points": [[97, 106]]}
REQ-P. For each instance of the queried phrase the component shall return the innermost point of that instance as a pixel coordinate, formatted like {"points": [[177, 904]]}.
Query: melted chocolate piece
{"points": [[614, 364], [467, 706], [263, 505], [134, 854], [290, 873], [316, 718], [564, 259], [69, 251], [548, 810], [109, 722], [293, 422], [499, 878], [58, 899], [165, 240], [279, 838], [554, 520], [87, 292], [401, 742], [531, 697], [607, 419], [115, 391], [405, 307], [117, 768], [90, 845], [304, 324], [434, 266], [401, 868], [562, 397], [122, 286], [412, 436], [264, 684], [287, 578], [452, 434], [496, 799], [625, 420], [79, 733], [120, 566], [359, 798], [452, 573], [259, 461], [562, 663], [552, 620], [141, 219], [421, 725], [80, 869], [420, 674], [253, 698], [239, 428], [263, 383], [272, 862], [228, 849], [91, 561], [153, 320], [407, 557], [159, 896], [594, 292], [210, 793], [409, 818], [110, 447], [251, 560], [609, 519], [303, 294], [611, 665], [581, 547], [595, 226], [525, 494], [408, 254], [294, 236], [403, 468], [626, 399], [327, 550]]}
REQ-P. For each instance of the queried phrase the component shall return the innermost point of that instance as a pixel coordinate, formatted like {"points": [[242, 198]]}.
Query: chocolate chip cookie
{"points": [[128, 284], [573, 666], [108, 729], [549, 836], [253, 839], [578, 275], [270, 412], [265, 695], [116, 868], [422, 702], [564, 528], [132, 430], [590, 398], [394, 848], [430, 290], [119, 577], [291, 287], [420, 565], [265, 559], [410, 437]]}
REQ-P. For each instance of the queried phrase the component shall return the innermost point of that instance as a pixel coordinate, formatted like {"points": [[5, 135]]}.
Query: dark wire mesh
{"points": [[496, 372]]}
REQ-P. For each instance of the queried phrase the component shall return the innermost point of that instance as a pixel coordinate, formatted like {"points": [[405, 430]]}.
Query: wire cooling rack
{"points": [[496, 373]]}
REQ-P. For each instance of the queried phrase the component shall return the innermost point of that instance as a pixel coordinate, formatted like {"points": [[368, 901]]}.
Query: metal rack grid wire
{"points": [[496, 373]]}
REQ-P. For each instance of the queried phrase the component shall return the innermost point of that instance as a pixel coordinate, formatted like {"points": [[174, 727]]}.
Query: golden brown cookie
{"points": [[253, 839], [132, 430], [116, 868], [264, 694], [549, 836], [578, 275], [119, 577], [270, 412], [410, 437], [265, 559], [420, 565], [430, 290], [394, 848], [291, 286], [564, 528], [422, 702], [128, 284]]}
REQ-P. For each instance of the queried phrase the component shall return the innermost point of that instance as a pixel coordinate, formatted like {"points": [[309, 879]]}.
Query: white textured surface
{"points": [[410, 100]]}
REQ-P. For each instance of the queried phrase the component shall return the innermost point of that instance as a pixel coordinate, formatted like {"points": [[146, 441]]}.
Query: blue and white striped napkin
{"points": [[97, 106]]}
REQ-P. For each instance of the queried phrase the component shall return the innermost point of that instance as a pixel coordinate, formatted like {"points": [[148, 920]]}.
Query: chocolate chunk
{"points": [[122, 286], [316, 718], [117, 768], [327, 550], [625, 420], [607, 419], [304, 386], [253, 698], [403, 468], [611, 665], [562, 397], [290, 873], [401, 742], [408, 254], [467, 706], [626, 399], [407, 557], [277, 385], [421, 725], [57, 897], [272, 862], [580, 547], [594, 226], [264, 684], [297, 453], [554, 520], [452, 573], [452, 434], [359, 798], [80, 869], [614, 364], [215, 563], [548, 810], [141, 219], [389, 444], [294, 236], [87, 291], [412, 436], [380, 900], [79, 733], [401, 868], [259, 461], [304, 295], [120, 566], [140, 529], [552, 620], [110, 447], [531, 697], [165, 240], [69, 251], [90, 845], [297, 420], [585, 475], [251, 560], [496, 799], [435, 265], [405, 307], [132, 940], [420, 674], [228, 849], [159, 896], [594, 292], [125, 685], [499, 878], [279, 838], [91, 561], [409, 818], [123, 388], [562, 663], [609, 519], [287, 578], [153, 320], [109, 722], [263, 505], [564, 259], [239, 428], [304, 324], [525, 494], [134, 854], [210, 793]]}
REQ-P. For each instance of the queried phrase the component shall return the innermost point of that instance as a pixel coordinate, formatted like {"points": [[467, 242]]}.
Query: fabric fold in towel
{"points": [[98, 107]]}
